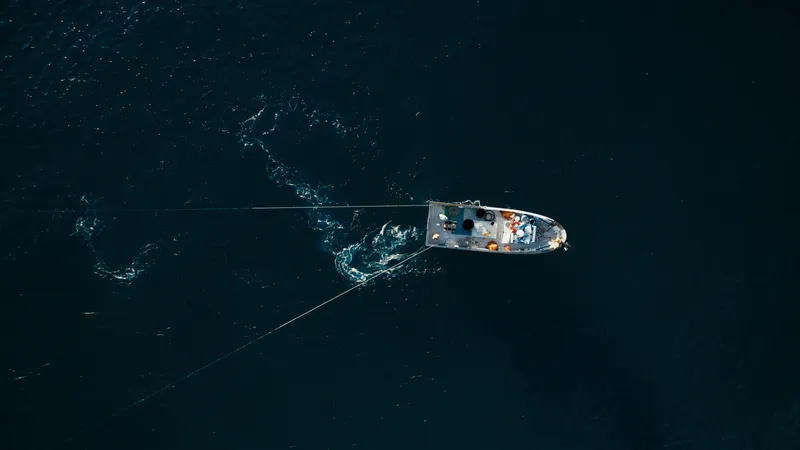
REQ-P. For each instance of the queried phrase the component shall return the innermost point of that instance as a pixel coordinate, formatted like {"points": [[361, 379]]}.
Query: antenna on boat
{"points": [[472, 202]]}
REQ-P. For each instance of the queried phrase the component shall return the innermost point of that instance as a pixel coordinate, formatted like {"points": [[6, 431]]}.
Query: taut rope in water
{"points": [[274, 208], [251, 342], [211, 208]]}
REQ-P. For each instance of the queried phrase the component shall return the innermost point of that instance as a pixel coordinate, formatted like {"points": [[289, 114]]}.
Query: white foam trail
{"points": [[89, 228], [355, 258]]}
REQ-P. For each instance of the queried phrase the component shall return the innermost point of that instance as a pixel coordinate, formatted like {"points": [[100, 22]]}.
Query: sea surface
{"points": [[661, 135]]}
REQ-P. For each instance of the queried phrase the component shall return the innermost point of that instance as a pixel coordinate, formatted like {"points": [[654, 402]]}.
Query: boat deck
{"points": [[489, 229]]}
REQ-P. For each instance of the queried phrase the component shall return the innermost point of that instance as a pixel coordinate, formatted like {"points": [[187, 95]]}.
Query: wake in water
{"points": [[91, 229], [359, 249], [356, 257], [375, 252]]}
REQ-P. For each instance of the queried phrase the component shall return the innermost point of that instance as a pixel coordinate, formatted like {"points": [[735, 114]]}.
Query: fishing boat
{"points": [[470, 226]]}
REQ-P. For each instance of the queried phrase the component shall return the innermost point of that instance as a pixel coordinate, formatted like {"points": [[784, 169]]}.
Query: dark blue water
{"points": [[661, 136]]}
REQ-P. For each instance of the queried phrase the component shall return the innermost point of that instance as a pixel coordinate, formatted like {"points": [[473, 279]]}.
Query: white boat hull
{"points": [[489, 229]]}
